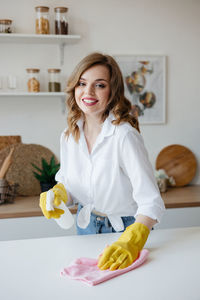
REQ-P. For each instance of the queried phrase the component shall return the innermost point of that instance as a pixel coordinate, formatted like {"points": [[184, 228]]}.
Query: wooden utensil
{"points": [[179, 162], [6, 164]]}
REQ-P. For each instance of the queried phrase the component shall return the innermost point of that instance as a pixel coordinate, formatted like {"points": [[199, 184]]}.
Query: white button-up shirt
{"points": [[116, 178]]}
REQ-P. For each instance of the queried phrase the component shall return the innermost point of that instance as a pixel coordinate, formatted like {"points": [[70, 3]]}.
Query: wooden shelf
{"points": [[188, 196], [24, 207]]}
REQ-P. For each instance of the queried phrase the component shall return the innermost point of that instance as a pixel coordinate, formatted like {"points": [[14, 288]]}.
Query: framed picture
{"points": [[144, 81]]}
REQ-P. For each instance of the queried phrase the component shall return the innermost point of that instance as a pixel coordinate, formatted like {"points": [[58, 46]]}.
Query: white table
{"points": [[30, 269]]}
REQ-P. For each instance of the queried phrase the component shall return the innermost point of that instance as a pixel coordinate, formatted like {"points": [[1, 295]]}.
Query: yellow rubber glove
{"points": [[125, 250], [60, 194]]}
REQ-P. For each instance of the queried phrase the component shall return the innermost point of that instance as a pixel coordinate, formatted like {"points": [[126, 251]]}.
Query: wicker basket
{"points": [[7, 191]]}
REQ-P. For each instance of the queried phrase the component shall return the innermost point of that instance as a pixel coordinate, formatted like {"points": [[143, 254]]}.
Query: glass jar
{"points": [[6, 26], [33, 83], [12, 82], [61, 24], [42, 20], [54, 80]]}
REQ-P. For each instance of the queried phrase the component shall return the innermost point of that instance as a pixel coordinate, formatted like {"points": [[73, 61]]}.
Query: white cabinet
{"points": [[180, 217], [32, 227], [39, 227]]}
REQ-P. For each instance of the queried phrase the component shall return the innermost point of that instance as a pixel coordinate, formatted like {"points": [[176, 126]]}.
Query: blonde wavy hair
{"points": [[118, 104]]}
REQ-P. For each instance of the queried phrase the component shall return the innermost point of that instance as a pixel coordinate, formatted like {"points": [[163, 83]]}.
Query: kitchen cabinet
{"points": [[30, 269], [32, 228], [184, 197], [24, 219]]}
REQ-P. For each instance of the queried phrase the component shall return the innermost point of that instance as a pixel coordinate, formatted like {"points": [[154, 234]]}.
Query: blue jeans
{"points": [[101, 224]]}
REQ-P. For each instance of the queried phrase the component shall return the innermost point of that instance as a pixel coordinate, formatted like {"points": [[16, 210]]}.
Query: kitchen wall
{"points": [[169, 27]]}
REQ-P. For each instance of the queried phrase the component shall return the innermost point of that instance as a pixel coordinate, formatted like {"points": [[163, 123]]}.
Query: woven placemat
{"points": [[7, 140], [21, 170]]}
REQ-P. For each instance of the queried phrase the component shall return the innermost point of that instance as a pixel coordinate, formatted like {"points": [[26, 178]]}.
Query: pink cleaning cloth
{"points": [[86, 270]]}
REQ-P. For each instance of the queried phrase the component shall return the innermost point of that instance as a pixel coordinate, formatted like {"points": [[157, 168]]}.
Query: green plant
{"points": [[47, 172]]}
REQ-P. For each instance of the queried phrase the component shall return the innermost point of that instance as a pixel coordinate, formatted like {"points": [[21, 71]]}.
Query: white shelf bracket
{"points": [[61, 49]]}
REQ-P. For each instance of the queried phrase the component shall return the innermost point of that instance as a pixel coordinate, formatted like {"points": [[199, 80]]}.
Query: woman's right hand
{"points": [[50, 201]]}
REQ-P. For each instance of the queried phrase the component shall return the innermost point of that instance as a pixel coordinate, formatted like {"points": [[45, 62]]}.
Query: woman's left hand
{"points": [[56, 195], [125, 250]]}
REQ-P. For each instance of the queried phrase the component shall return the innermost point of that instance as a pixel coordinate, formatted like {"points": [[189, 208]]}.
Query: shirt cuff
{"points": [[153, 212]]}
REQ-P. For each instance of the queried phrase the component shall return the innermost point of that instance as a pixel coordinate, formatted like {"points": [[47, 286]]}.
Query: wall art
{"points": [[144, 80]]}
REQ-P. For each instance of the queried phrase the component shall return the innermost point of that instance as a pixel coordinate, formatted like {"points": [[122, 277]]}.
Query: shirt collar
{"points": [[107, 130], [107, 126]]}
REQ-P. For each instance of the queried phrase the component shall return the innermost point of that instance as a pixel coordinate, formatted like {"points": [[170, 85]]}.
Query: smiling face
{"points": [[93, 91]]}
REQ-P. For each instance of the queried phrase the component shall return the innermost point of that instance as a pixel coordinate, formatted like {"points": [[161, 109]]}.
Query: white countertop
{"points": [[30, 269]]}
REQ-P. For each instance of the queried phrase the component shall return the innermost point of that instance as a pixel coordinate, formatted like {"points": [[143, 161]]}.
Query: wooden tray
{"points": [[179, 162]]}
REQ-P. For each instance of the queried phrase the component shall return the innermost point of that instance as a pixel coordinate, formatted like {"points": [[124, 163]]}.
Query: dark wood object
{"points": [[179, 162]]}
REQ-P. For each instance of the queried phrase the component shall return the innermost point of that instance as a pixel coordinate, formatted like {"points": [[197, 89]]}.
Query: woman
{"points": [[104, 164]]}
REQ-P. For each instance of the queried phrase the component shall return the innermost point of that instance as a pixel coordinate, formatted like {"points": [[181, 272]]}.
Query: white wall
{"points": [[116, 27]]}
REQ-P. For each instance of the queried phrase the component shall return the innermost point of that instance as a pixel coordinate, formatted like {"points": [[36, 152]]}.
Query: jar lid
{"points": [[33, 70], [61, 9], [42, 8], [6, 21], [54, 70]]}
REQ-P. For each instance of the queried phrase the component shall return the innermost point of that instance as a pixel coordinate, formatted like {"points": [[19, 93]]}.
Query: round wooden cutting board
{"points": [[179, 162]]}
